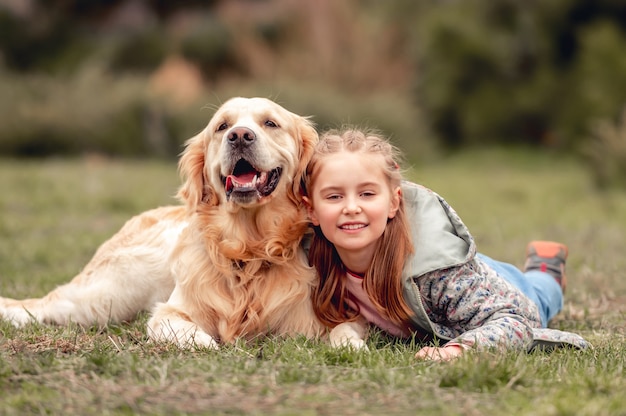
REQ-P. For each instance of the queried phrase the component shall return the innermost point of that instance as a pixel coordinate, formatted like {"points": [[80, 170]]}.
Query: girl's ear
{"points": [[309, 210], [396, 197]]}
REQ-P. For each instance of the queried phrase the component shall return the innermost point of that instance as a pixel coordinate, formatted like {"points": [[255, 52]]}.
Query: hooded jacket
{"points": [[455, 296]]}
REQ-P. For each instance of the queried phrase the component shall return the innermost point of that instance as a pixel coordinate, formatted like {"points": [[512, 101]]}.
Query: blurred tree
{"points": [[42, 43], [606, 153], [505, 71], [210, 45], [140, 52], [597, 80]]}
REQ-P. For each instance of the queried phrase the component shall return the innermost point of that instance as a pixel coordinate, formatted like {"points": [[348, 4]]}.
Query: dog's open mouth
{"points": [[246, 182]]}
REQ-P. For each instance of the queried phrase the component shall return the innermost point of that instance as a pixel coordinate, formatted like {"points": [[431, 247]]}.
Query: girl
{"points": [[395, 255]]}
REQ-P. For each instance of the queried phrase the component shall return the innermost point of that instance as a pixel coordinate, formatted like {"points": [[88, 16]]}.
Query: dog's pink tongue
{"points": [[244, 179]]}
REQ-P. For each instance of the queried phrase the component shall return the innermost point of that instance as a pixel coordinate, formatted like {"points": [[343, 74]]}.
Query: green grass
{"points": [[54, 213]]}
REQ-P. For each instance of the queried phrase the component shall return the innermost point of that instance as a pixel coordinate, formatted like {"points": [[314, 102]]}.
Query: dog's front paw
{"points": [[349, 334], [202, 339], [189, 339], [18, 317], [357, 344], [183, 333]]}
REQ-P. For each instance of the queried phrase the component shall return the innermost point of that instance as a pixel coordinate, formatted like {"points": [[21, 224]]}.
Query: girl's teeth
{"points": [[352, 226]]}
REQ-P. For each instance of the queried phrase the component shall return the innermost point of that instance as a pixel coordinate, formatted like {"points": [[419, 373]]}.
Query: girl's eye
{"points": [[270, 123], [222, 127], [333, 197], [367, 194]]}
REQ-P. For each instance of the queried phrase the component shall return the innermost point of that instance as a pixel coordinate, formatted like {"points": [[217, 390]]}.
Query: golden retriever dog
{"points": [[228, 263]]}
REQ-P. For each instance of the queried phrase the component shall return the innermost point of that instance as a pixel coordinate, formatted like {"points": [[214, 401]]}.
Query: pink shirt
{"points": [[354, 285]]}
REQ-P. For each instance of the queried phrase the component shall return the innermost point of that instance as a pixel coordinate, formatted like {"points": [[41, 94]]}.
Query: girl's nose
{"points": [[352, 207]]}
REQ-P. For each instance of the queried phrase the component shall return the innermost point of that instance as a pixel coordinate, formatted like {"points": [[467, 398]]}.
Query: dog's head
{"points": [[252, 151]]}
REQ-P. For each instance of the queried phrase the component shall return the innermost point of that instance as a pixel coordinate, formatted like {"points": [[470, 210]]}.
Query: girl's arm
{"points": [[477, 308]]}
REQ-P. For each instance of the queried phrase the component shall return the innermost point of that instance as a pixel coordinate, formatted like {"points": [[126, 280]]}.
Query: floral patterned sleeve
{"points": [[475, 307]]}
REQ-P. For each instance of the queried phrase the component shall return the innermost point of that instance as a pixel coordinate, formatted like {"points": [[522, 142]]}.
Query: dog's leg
{"points": [[169, 323], [349, 334], [129, 273]]}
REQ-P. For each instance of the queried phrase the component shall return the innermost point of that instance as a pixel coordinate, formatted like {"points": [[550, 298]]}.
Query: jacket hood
{"points": [[440, 239]]}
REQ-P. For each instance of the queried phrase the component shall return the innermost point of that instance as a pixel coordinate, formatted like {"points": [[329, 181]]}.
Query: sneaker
{"points": [[548, 257]]}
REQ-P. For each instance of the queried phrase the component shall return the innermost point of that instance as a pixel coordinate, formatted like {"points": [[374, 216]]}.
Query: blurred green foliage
{"points": [[79, 76], [525, 72], [606, 153], [211, 47], [139, 52], [88, 112]]}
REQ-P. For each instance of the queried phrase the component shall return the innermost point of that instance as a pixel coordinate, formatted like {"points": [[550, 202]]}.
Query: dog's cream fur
{"points": [[220, 267]]}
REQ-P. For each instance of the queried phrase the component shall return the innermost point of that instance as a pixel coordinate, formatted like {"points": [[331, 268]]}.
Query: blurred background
{"points": [[136, 78]]}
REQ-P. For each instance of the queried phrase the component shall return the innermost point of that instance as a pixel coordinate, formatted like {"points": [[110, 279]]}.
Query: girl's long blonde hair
{"points": [[383, 281]]}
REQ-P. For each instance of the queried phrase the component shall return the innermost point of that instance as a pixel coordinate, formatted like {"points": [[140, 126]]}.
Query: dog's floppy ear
{"points": [[308, 140], [195, 189]]}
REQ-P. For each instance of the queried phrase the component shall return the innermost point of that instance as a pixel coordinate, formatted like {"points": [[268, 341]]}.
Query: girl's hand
{"points": [[439, 353]]}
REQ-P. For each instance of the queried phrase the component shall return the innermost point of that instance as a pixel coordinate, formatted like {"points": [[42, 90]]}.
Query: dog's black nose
{"points": [[241, 136]]}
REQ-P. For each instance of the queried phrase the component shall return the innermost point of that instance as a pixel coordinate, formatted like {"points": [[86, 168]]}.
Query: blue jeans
{"points": [[540, 287]]}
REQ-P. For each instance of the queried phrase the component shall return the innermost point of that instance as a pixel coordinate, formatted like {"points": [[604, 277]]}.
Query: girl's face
{"points": [[351, 200]]}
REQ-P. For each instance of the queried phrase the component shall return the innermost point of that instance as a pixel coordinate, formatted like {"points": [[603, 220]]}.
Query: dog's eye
{"points": [[270, 123], [222, 127]]}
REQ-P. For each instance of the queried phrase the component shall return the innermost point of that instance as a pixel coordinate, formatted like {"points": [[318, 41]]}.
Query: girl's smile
{"points": [[352, 226]]}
